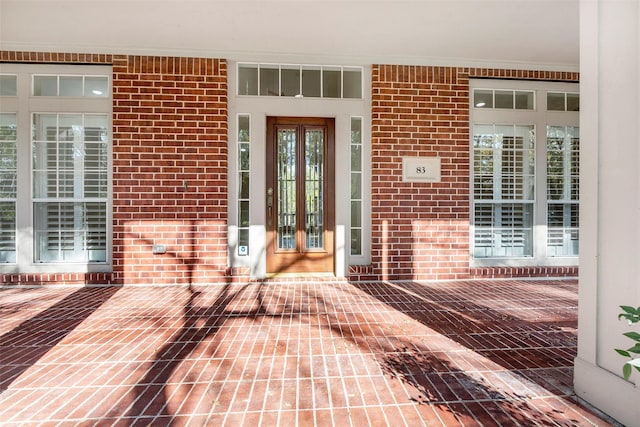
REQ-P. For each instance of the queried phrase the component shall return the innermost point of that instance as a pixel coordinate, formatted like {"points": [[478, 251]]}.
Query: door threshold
{"points": [[300, 275]]}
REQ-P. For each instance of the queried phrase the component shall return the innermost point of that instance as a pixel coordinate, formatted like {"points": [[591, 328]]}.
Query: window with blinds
{"points": [[70, 176], [563, 170], [55, 168], [8, 185], [504, 184], [525, 159]]}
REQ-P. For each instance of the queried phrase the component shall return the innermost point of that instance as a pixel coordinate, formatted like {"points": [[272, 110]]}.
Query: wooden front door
{"points": [[300, 195]]}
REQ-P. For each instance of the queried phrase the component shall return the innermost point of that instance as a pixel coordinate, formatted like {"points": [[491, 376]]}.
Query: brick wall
{"points": [[421, 230], [169, 169]]}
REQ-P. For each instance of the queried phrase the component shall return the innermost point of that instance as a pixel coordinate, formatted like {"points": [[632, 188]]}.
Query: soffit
{"points": [[513, 33]]}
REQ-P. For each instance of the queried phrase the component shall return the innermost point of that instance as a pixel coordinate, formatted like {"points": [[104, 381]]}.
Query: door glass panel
{"points": [[314, 180], [286, 175]]}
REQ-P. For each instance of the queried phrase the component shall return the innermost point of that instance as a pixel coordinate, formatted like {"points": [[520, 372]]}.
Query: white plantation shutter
{"points": [[503, 188], [70, 178], [563, 169], [8, 178]]}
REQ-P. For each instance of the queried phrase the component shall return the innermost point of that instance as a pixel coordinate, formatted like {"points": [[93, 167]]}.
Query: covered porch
{"points": [[293, 353]]}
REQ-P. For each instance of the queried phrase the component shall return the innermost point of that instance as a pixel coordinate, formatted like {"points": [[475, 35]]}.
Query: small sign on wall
{"points": [[421, 169]]}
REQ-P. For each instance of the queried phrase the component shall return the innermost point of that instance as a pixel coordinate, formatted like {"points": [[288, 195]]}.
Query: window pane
{"points": [[311, 82], [356, 130], [555, 162], [524, 100], [483, 98], [286, 191], [96, 128], [8, 85], [70, 127], [483, 136], [243, 157], [573, 102], [70, 232], [45, 127], [352, 83], [503, 230], [243, 190], [243, 214], [331, 82], [356, 185], [269, 81], [314, 186], [7, 232], [356, 241], [243, 241], [356, 158], [71, 86], [562, 231], [96, 86], [45, 86], [290, 81], [504, 99], [248, 80], [555, 101], [8, 136], [244, 134], [356, 214]]}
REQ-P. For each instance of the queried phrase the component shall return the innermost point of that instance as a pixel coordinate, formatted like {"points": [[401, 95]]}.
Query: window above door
{"points": [[299, 81]]}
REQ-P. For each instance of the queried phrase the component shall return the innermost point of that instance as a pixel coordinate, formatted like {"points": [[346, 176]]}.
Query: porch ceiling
{"points": [[510, 33]]}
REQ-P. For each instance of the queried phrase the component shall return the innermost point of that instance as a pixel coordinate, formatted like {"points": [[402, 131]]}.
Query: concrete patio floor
{"points": [[325, 353]]}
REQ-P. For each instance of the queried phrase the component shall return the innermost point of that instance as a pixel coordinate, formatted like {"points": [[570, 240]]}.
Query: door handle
{"points": [[270, 206]]}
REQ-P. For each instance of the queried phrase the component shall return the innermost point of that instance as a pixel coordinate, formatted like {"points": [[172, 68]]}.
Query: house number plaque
{"points": [[421, 169]]}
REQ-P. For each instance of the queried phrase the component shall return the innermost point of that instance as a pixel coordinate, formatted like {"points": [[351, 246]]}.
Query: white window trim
{"points": [[541, 119], [25, 104]]}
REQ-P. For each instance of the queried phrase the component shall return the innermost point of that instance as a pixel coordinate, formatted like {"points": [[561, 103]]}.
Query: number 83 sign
{"points": [[421, 169]]}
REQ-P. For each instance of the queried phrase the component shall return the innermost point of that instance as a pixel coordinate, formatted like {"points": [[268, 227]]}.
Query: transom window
{"points": [[55, 168], [525, 156], [504, 98], [299, 81]]}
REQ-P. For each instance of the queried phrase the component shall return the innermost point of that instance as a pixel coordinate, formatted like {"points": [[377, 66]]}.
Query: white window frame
{"points": [[540, 118], [300, 68], [25, 105]]}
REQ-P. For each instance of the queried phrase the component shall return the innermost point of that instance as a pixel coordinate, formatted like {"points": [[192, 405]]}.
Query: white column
{"points": [[609, 202]]}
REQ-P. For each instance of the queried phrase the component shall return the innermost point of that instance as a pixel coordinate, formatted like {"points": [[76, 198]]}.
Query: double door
{"points": [[300, 195]]}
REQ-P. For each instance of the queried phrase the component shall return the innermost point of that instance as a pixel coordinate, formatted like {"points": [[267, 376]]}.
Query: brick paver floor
{"points": [[328, 353]]}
